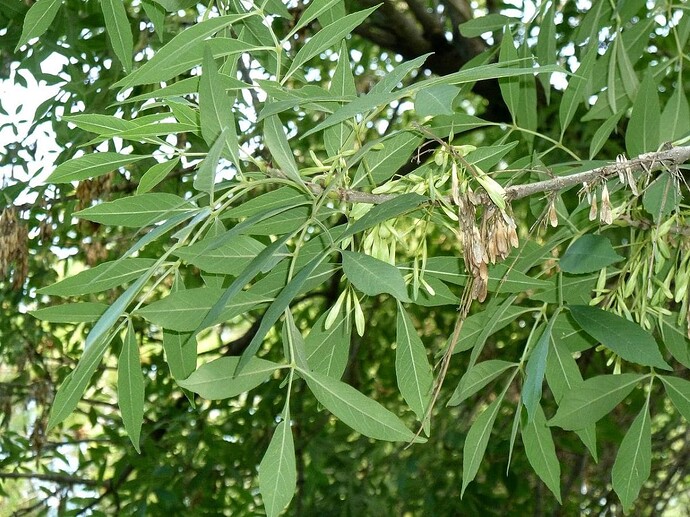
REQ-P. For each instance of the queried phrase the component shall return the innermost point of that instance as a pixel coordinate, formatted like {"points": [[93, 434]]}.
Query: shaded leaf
{"points": [[437, 100], [130, 387], [361, 413], [589, 253], [627, 339], [678, 390], [412, 368], [278, 470], [80, 312], [217, 380], [593, 399], [476, 442], [634, 460], [477, 377], [328, 349], [541, 451], [373, 276], [642, 133]]}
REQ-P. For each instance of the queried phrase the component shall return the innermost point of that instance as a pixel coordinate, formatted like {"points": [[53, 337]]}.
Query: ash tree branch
{"points": [[61, 479], [648, 162]]}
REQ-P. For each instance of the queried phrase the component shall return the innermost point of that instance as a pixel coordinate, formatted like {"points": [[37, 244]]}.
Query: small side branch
{"points": [[61, 479]]}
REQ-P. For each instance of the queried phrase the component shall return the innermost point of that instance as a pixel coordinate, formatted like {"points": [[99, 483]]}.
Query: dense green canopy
{"points": [[346, 258]]}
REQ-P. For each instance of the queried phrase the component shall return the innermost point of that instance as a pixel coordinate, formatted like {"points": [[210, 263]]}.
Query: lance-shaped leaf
{"points": [[541, 451], [642, 134], [205, 178], [185, 50], [477, 377], [38, 19], [412, 368], [130, 387], [373, 276], [100, 278], [185, 310], [119, 31], [437, 100], [328, 349], [678, 390], [137, 211], [80, 312], [361, 413], [577, 84], [621, 336], [282, 301], [278, 470], [476, 441], [217, 380], [563, 376], [278, 145], [593, 399], [589, 253], [180, 347], [216, 114], [155, 175], [395, 207], [231, 258], [72, 388], [534, 371], [327, 37], [91, 166], [634, 460]]}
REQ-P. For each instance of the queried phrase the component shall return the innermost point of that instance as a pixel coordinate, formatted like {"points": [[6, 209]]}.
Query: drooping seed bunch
{"points": [[14, 253]]}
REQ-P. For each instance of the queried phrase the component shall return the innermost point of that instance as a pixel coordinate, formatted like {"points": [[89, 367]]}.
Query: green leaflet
{"points": [[81, 312], [74, 385], [231, 258], [678, 390], [186, 50], [100, 278], [217, 380], [277, 470], [155, 175], [412, 368], [130, 387], [563, 376], [361, 413], [373, 276], [489, 23], [477, 377], [137, 211], [642, 133], [535, 369], [185, 310], [437, 100], [119, 31], [593, 399], [91, 166], [625, 338], [588, 254], [476, 441], [216, 113], [634, 459], [327, 37], [38, 19], [541, 451], [328, 349]]}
